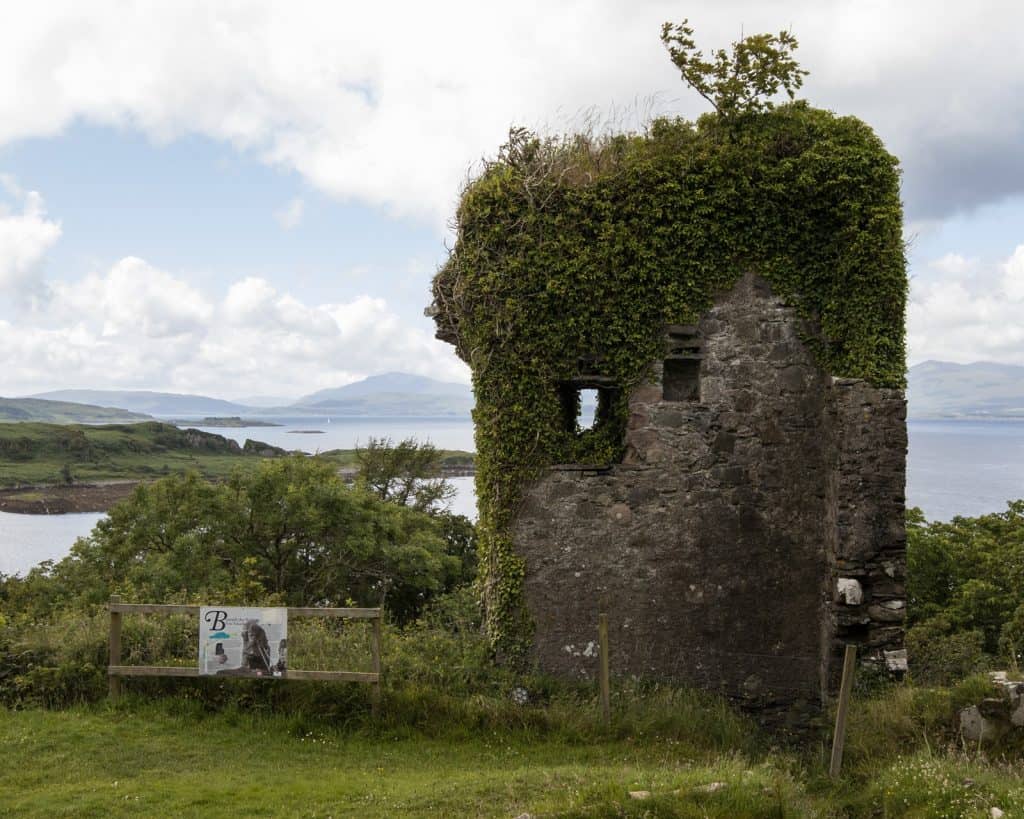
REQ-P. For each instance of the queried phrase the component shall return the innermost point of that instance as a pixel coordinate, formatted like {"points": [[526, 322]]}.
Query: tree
{"points": [[288, 531], [743, 81], [405, 473], [969, 574]]}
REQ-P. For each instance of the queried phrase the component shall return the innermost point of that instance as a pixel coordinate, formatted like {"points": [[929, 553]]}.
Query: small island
{"points": [[233, 421]]}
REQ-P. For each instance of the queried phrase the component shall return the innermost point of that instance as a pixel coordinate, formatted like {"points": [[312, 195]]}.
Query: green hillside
{"points": [[35, 453], [64, 412]]}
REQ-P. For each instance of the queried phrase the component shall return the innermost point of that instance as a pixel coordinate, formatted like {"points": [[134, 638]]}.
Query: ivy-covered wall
{"points": [[573, 254]]}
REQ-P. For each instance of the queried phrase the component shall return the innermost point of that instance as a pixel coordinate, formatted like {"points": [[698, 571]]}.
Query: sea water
{"points": [[953, 468]]}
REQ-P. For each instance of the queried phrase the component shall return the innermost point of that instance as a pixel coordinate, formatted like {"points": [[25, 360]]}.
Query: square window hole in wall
{"points": [[585, 405], [681, 379]]}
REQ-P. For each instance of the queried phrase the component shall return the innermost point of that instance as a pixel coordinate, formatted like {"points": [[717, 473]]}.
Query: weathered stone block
{"points": [[849, 591]]}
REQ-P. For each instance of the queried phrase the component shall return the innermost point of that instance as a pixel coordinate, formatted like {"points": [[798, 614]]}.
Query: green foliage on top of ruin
{"points": [[743, 81], [584, 247]]}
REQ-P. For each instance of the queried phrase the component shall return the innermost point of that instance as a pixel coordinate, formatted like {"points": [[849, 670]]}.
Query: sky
{"points": [[250, 198]]}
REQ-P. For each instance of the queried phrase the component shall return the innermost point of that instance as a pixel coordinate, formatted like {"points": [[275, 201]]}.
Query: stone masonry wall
{"points": [[870, 446], [720, 545]]}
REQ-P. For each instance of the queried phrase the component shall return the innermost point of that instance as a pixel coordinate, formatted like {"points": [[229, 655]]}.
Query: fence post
{"points": [[839, 738], [602, 635], [114, 656], [375, 647]]}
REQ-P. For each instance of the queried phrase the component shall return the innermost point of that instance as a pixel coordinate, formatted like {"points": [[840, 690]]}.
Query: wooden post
{"points": [[849, 663], [375, 648], [114, 656], [606, 702]]}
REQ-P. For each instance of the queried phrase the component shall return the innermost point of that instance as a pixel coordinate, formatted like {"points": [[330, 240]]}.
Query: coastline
{"points": [[61, 500]]}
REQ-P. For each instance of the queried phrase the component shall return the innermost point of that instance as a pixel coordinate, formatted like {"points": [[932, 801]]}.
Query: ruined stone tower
{"points": [[754, 525], [737, 507]]}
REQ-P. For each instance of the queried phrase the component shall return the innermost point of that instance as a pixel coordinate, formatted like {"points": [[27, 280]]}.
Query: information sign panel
{"points": [[243, 642]]}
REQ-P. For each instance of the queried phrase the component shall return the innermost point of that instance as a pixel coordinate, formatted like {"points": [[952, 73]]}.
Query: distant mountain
{"points": [[390, 394], [161, 404], [64, 412], [258, 401], [391, 383], [941, 389]]}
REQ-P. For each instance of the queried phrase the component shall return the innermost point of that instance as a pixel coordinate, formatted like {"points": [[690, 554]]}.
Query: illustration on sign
{"points": [[243, 642]]}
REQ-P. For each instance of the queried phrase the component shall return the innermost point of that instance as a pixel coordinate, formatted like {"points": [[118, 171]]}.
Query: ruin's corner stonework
{"points": [[754, 527]]}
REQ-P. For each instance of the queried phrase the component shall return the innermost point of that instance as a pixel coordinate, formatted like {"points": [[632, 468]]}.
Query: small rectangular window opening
{"points": [[681, 374], [584, 407], [588, 409], [681, 379]]}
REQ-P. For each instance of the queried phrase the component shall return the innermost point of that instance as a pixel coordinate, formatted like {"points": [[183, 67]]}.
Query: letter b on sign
{"points": [[216, 619]]}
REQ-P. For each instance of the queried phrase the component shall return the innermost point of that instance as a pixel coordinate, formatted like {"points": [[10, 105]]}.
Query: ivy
{"points": [[579, 247]]}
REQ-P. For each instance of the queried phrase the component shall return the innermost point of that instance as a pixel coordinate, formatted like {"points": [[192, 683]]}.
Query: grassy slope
{"points": [[101, 763], [35, 453], [64, 412], [171, 758]]}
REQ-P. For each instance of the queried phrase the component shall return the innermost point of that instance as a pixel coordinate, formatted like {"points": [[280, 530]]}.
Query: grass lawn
{"points": [[167, 760], [100, 762]]}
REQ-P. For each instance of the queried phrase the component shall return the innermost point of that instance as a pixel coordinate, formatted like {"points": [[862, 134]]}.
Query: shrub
{"points": [[939, 655]]}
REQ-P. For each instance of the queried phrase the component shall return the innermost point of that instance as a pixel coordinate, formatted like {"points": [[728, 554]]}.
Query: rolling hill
{"points": [[390, 394], [38, 453], [65, 412], [163, 404]]}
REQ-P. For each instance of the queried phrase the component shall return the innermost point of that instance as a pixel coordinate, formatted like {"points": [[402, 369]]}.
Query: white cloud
{"points": [[390, 106], [1013, 276], [137, 326], [132, 299], [25, 236], [954, 264], [291, 214], [968, 311]]}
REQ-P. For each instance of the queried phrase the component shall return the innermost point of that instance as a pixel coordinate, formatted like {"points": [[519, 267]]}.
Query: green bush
{"points": [[968, 570], [939, 655], [288, 530], [59, 686]]}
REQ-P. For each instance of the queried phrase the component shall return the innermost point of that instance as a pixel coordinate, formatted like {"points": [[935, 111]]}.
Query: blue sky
{"points": [[211, 214], [251, 197]]}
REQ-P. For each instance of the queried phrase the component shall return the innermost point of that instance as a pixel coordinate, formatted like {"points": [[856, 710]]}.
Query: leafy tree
{"points": [[743, 81], [459, 535], [1011, 639], [289, 531], [405, 473], [968, 575], [939, 654]]}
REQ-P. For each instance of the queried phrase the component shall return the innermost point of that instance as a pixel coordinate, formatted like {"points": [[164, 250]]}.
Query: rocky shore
{"points": [[59, 500]]}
